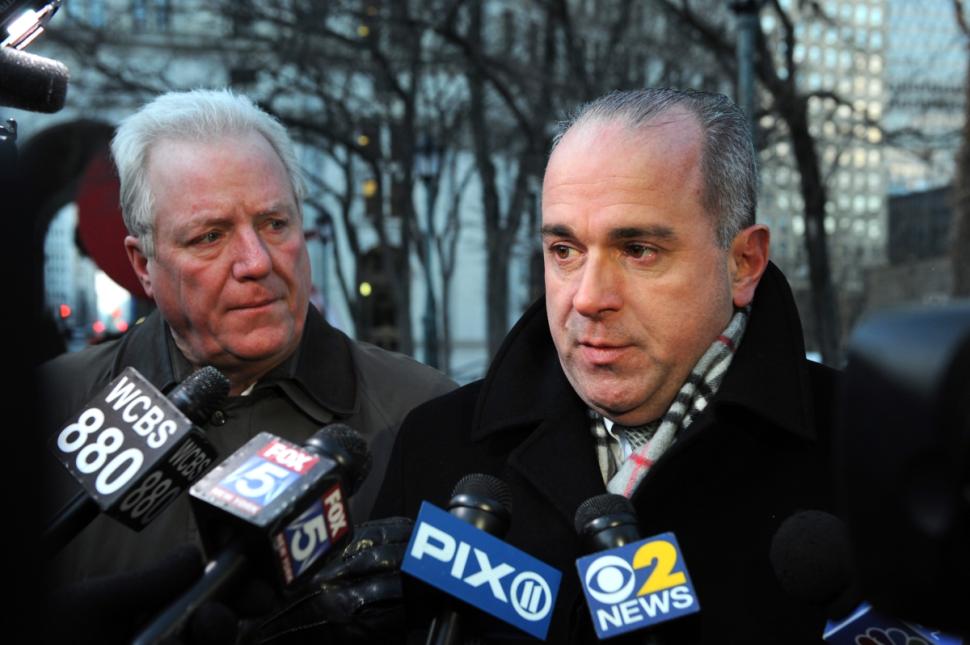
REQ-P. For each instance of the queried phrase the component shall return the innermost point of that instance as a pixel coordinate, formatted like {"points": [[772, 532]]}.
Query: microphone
{"points": [[606, 521], [482, 501], [811, 558], [458, 552], [809, 554], [134, 450], [273, 508], [629, 583], [31, 82]]}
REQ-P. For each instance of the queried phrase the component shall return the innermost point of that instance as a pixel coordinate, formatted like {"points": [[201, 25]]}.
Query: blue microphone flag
{"points": [[481, 570], [637, 585]]}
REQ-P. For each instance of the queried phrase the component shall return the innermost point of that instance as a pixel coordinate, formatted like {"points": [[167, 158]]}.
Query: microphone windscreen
{"points": [[201, 394], [482, 485], [810, 555], [605, 505], [348, 448], [30, 82]]}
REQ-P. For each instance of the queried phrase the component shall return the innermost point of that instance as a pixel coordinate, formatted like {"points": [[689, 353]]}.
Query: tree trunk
{"points": [[824, 303], [496, 277], [961, 208]]}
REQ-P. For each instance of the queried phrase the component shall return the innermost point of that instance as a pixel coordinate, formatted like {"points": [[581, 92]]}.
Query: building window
{"points": [[151, 15]]}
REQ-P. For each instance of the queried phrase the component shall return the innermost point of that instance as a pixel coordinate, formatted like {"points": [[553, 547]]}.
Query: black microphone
{"points": [[606, 521], [31, 82], [133, 451], [810, 556], [272, 508], [482, 501], [812, 560]]}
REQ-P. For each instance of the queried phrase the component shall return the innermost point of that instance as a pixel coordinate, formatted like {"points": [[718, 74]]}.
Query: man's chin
{"points": [[255, 349], [624, 410]]}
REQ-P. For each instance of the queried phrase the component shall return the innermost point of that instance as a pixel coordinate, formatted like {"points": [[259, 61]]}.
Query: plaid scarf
{"points": [[625, 454]]}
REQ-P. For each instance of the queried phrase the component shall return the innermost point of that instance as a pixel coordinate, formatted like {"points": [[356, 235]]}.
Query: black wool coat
{"points": [[754, 457]]}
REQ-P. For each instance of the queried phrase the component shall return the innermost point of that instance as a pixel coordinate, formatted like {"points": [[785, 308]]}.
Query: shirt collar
{"points": [[320, 377]]}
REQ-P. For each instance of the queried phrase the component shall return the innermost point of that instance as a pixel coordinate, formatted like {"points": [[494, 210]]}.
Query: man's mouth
{"points": [[257, 304], [597, 352]]}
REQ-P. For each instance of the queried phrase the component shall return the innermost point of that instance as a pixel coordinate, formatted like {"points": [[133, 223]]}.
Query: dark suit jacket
{"points": [[330, 378], [754, 457]]}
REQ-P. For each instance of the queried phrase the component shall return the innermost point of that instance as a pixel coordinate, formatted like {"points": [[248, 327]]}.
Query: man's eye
{"points": [[639, 251], [561, 251], [207, 238], [278, 224]]}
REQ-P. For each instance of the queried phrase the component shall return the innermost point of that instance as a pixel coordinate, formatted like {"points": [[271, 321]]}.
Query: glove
{"points": [[355, 598]]}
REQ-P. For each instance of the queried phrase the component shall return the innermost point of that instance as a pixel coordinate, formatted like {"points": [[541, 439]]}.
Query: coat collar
{"points": [[525, 384], [769, 376], [320, 378]]}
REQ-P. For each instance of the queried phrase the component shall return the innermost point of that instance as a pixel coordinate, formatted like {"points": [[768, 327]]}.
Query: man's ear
{"points": [[747, 262], [139, 262]]}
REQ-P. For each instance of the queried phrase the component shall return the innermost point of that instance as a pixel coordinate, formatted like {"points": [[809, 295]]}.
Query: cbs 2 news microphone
{"points": [[629, 583], [637, 585], [133, 450]]}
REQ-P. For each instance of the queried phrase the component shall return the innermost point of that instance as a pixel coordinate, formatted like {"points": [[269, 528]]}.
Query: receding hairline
{"points": [[653, 140], [673, 115], [215, 139], [209, 139], [723, 151]]}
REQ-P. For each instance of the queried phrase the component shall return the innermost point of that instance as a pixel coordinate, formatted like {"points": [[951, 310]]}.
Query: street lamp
{"points": [[427, 164], [323, 231], [747, 15]]}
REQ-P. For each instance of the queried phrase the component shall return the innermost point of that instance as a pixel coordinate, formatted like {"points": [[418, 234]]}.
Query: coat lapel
{"points": [[527, 393], [547, 460]]}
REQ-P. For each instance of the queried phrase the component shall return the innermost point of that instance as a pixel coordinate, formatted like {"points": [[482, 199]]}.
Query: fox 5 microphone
{"points": [[629, 583], [810, 555], [272, 508], [458, 553], [134, 450]]}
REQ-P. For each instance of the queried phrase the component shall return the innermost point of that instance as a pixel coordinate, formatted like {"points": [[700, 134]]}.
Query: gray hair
{"points": [[729, 165], [198, 115]]}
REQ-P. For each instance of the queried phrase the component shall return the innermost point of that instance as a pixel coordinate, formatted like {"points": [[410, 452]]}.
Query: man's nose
{"points": [[251, 259], [599, 289]]}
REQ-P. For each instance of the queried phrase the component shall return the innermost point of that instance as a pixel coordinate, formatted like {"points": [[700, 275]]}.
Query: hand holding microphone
{"points": [[272, 509], [355, 597]]}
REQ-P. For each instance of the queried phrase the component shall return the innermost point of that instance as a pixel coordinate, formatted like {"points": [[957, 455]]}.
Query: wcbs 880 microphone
{"points": [[629, 583], [134, 450]]}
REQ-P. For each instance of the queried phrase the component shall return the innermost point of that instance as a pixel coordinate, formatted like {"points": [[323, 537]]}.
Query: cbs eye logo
{"points": [[610, 579]]}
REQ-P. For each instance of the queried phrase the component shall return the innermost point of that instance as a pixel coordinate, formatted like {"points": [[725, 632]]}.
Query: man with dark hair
{"points": [[665, 364], [211, 193]]}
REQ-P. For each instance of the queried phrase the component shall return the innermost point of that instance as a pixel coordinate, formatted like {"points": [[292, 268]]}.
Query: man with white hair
{"points": [[211, 194]]}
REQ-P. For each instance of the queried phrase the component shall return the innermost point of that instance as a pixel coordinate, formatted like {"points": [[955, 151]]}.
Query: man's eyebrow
{"points": [[277, 207], [641, 232], [556, 230], [204, 222]]}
